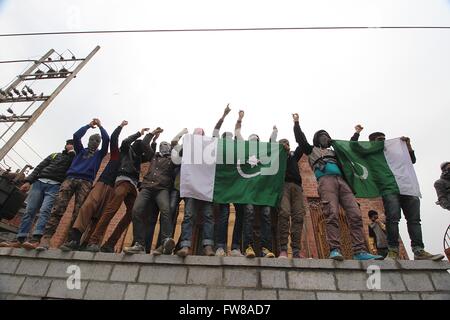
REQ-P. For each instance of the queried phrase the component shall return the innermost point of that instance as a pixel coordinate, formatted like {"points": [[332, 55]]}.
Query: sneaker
{"points": [[366, 256], [236, 253], [107, 249], [92, 248], [208, 251], [183, 252], [336, 255], [298, 255], [70, 246], [423, 255], [168, 246], [11, 244], [220, 252], [158, 251], [283, 255], [136, 249], [249, 252], [44, 244], [266, 253], [392, 255]]}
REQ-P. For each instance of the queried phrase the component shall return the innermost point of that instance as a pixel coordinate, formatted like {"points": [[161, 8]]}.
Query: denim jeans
{"points": [[145, 213], [42, 195], [393, 204], [266, 231], [174, 204], [222, 226], [192, 206]]}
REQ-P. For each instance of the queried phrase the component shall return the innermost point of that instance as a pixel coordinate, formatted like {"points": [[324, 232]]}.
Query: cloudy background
{"points": [[396, 81]]}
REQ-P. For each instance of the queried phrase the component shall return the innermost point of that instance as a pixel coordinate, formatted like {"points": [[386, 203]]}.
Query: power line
{"points": [[214, 30]]}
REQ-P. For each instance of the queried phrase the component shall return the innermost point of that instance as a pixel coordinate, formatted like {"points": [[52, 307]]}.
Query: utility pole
{"points": [[28, 120]]}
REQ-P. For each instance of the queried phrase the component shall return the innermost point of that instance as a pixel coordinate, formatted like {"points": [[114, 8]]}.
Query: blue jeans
{"points": [[222, 226], [266, 231], [192, 206], [393, 205], [42, 195], [174, 204]]}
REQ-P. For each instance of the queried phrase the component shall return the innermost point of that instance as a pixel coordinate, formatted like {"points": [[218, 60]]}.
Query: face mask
{"points": [[227, 135], [165, 148], [324, 141], [446, 173], [94, 142], [199, 131]]}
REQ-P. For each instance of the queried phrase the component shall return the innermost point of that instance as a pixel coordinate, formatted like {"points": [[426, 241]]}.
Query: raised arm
{"points": [[412, 155], [237, 127], [114, 141], [77, 144], [358, 129], [105, 138], [216, 131], [300, 137], [147, 150], [177, 138], [273, 136]]}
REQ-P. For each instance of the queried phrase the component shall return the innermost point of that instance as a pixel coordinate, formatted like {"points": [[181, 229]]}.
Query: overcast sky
{"points": [[395, 81]]}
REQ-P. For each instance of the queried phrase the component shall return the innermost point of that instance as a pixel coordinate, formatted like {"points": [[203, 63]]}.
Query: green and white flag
{"points": [[229, 171], [377, 168]]}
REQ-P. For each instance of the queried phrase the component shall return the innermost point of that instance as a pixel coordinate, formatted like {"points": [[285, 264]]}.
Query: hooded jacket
{"points": [[442, 187], [133, 155]]}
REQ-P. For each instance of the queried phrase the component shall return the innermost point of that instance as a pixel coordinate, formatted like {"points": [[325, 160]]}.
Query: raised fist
{"points": [[359, 128], [124, 123], [241, 114], [295, 117]]}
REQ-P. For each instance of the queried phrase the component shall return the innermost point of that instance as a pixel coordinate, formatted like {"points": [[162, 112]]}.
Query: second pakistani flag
{"points": [[378, 168], [229, 171]]}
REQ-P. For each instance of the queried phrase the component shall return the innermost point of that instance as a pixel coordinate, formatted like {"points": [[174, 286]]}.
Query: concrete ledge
{"points": [[31, 275]]}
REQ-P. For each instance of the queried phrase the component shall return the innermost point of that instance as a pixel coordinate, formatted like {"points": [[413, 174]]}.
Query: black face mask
{"points": [[324, 141], [446, 174]]}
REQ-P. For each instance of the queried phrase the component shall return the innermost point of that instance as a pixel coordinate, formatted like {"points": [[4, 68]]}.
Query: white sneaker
{"points": [[220, 252], [236, 253]]}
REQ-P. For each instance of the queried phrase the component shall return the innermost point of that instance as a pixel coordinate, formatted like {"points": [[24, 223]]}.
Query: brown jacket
{"points": [[160, 174]]}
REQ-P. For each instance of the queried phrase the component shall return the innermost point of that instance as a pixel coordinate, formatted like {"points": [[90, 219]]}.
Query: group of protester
{"points": [[72, 172]]}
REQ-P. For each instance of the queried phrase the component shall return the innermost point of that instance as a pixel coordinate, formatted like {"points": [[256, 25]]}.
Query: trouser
{"points": [[393, 205], [174, 203], [145, 212], [40, 198], [124, 192], [92, 207], [265, 221], [383, 252], [222, 226], [192, 207], [69, 187], [333, 190], [290, 218]]}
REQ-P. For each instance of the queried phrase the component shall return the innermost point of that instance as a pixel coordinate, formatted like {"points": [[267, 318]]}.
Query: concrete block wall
{"points": [[32, 275]]}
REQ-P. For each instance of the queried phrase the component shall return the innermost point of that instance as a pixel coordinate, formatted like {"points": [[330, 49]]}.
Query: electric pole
{"points": [[13, 95]]}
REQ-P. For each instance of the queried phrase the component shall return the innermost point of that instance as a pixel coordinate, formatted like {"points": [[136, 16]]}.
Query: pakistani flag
{"points": [[229, 171], [377, 168]]}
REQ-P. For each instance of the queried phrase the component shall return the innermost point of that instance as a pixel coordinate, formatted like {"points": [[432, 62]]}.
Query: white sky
{"points": [[395, 81]]}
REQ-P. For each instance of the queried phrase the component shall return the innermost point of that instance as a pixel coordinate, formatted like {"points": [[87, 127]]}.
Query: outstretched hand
{"points": [[226, 111]]}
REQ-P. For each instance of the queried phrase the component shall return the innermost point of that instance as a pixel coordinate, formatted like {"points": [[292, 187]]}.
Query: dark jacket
{"points": [[53, 167], [292, 169], [442, 187], [109, 174], [132, 156], [161, 173]]}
